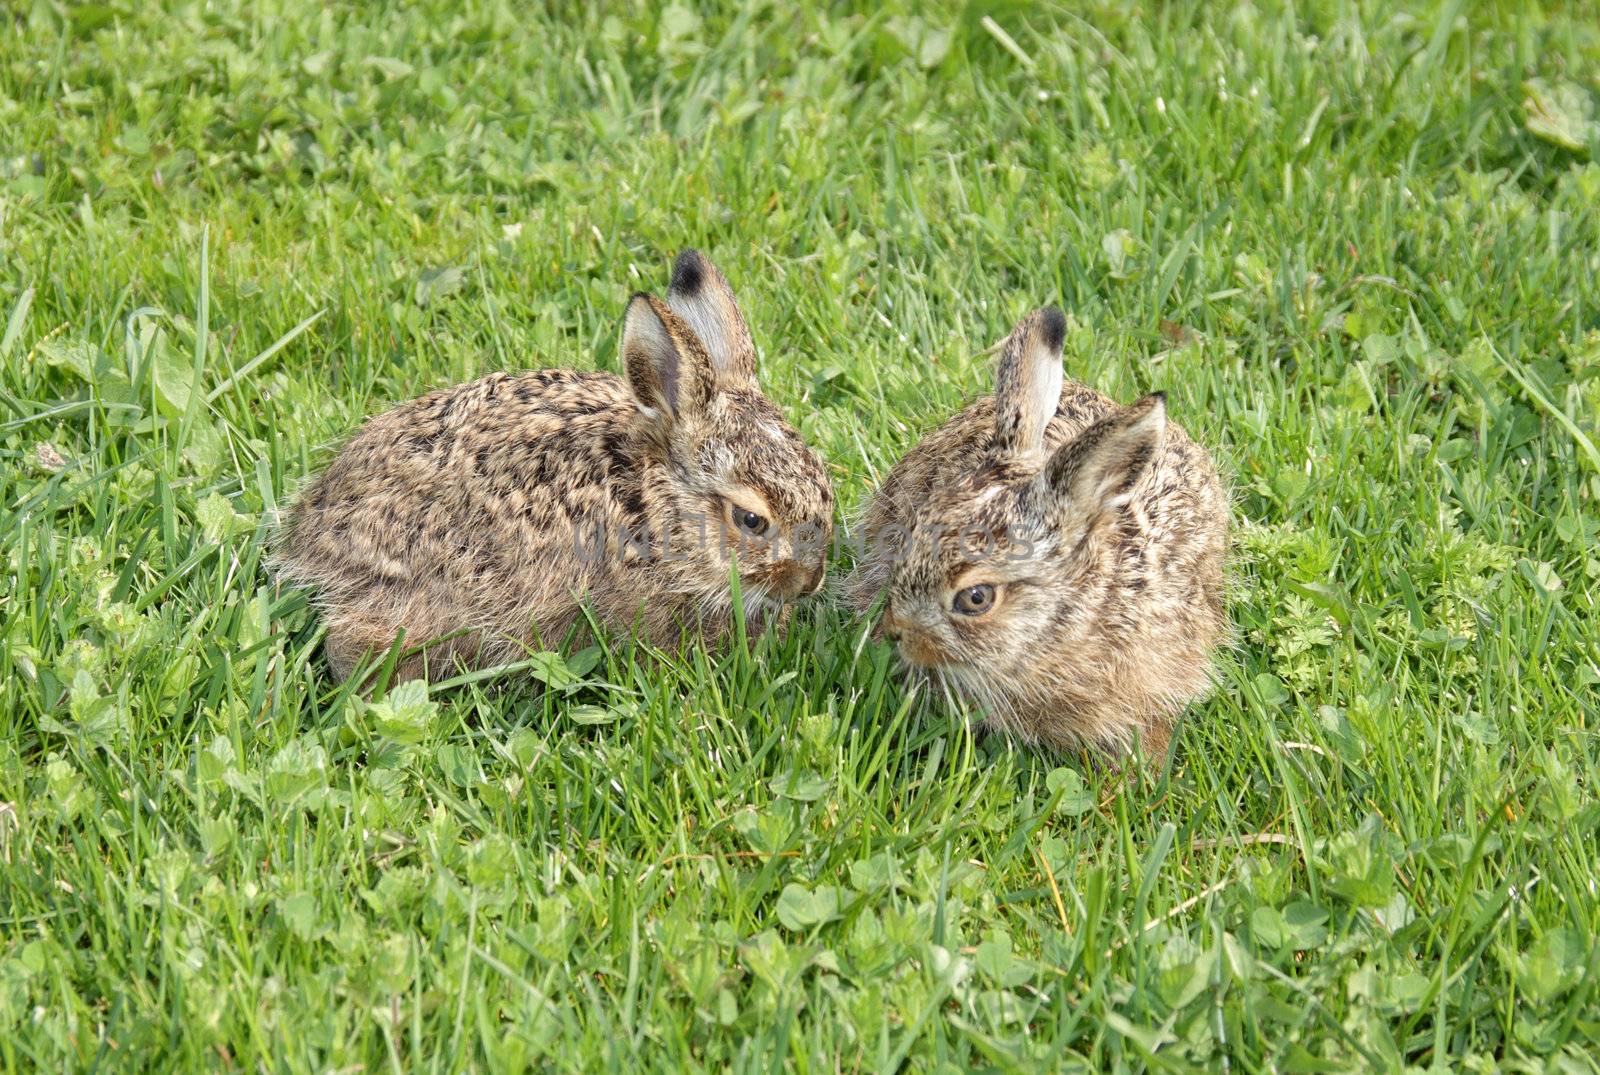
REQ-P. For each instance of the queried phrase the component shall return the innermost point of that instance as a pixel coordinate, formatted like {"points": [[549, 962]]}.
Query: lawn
{"points": [[1358, 247]]}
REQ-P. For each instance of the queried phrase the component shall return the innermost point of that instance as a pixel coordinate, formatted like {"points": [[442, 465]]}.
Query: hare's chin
{"points": [[965, 686], [760, 604]]}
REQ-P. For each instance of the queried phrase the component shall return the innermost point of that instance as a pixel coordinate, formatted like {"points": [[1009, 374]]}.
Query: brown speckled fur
{"points": [[460, 516], [1109, 527]]}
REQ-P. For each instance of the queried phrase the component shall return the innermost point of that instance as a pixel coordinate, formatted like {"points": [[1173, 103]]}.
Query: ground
{"points": [[1355, 243]]}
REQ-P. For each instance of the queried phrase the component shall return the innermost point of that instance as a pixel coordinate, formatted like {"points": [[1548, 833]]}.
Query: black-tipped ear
{"points": [[700, 295], [1028, 382], [1100, 469], [662, 376]]}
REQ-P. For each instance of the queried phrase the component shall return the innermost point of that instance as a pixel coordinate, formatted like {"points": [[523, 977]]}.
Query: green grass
{"points": [[1359, 249]]}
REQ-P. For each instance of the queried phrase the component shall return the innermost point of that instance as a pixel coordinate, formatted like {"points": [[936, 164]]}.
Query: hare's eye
{"points": [[975, 600], [749, 522]]}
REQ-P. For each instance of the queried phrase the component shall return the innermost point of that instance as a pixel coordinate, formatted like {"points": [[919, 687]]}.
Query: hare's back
{"points": [[469, 473], [470, 439]]}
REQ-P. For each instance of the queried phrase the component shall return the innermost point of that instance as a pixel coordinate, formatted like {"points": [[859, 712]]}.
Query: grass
{"points": [[1358, 247]]}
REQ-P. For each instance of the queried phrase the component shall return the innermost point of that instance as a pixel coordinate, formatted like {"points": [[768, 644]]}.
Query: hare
{"points": [[1053, 557], [482, 517]]}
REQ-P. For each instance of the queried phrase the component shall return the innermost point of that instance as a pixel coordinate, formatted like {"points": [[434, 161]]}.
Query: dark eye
{"points": [[749, 522], [975, 600]]}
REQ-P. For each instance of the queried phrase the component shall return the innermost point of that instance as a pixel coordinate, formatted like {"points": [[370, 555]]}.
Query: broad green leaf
{"points": [[406, 714], [801, 908], [1563, 113], [802, 787], [1075, 796]]}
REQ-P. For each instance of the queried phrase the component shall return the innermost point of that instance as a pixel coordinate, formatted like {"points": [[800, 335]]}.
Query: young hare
{"points": [[487, 515], [1054, 557]]}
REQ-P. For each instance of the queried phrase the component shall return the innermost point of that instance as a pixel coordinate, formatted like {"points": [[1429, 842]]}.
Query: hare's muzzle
{"points": [[888, 627], [797, 579], [915, 647]]}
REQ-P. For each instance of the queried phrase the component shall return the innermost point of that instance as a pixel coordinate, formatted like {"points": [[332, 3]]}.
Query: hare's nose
{"points": [[889, 627]]}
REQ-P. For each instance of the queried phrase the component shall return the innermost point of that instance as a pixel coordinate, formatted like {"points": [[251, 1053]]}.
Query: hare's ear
{"points": [[700, 295], [1028, 383], [1100, 469], [665, 366]]}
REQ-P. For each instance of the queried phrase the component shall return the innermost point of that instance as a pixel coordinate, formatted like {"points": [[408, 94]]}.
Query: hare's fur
{"points": [[482, 518], [1102, 528]]}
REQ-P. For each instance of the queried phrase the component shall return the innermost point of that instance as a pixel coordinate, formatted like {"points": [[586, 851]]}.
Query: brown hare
{"points": [[1053, 557], [484, 516]]}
